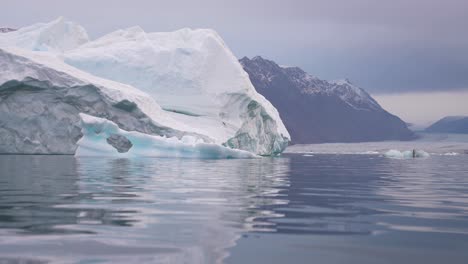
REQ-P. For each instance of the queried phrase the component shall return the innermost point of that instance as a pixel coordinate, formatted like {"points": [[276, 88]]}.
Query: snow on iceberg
{"points": [[204, 93], [408, 154], [195, 78], [58, 35]]}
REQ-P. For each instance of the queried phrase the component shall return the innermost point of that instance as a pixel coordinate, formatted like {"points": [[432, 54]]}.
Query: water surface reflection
{"points": [[164, 209], [210, 211]]}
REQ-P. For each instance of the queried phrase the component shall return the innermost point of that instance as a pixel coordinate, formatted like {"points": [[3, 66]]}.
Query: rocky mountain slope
{"points": [[450, 124], [316, 110]]}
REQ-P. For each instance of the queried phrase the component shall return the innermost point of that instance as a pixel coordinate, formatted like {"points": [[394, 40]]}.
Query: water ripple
{"points": [[175, 210]]}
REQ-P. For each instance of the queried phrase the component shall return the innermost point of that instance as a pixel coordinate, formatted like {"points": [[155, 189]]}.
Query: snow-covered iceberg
{"points": [[165, 86], [58, 35], [194, 77]]}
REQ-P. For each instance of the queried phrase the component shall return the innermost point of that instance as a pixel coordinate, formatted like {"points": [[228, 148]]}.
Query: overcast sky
{"points": [[423, 109], [383, 46]]}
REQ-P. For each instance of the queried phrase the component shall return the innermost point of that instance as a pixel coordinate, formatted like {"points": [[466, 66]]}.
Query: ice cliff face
{"points": [[194, 77], [316, 110], [41, 99], [52, 77]]}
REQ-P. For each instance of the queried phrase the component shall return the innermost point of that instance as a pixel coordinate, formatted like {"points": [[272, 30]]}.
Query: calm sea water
{"points": [[291, 209]]}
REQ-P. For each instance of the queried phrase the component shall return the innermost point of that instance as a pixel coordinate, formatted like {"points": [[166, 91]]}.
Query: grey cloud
{"points": [[383, 46]]}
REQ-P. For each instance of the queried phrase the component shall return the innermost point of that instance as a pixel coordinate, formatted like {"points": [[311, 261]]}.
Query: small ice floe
{"points": [[451, 154], [408, 154], [307, 155], [369, 152]]}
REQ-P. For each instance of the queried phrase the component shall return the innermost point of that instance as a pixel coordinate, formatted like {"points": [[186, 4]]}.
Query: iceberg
{"points": [[408, 154], [183, 93], [194, 77]]}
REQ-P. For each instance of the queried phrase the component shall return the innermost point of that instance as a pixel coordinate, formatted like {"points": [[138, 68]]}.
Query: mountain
{"points": [[181, 94], [450, 124], [6, 29], [316, 110]]}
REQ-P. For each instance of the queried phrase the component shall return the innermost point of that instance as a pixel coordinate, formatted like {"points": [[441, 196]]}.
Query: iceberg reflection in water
{"points": [[143, 210], [324, 208]]}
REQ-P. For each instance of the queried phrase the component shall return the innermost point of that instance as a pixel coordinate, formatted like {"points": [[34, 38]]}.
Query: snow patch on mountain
{"points": [[309, 84], [354, 96]]}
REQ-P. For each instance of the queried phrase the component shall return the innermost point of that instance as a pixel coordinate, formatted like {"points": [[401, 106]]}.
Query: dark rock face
{"points": [[316, 111], [120, 143], [450, 124], [6, 30]]}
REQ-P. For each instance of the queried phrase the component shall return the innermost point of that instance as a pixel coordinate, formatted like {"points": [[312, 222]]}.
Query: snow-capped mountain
{"points": [[179, 93], [316, 110], [450, 124]]}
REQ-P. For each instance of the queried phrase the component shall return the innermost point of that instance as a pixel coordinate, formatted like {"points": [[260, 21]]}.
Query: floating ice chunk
{"points": [[408, 154], [393, 153], [451, 154], [96, 132], [369, 152], [421, 154]]}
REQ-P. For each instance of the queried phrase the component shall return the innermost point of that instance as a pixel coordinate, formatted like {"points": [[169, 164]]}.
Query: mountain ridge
{"points": [[318, 111], [450, 124]]}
